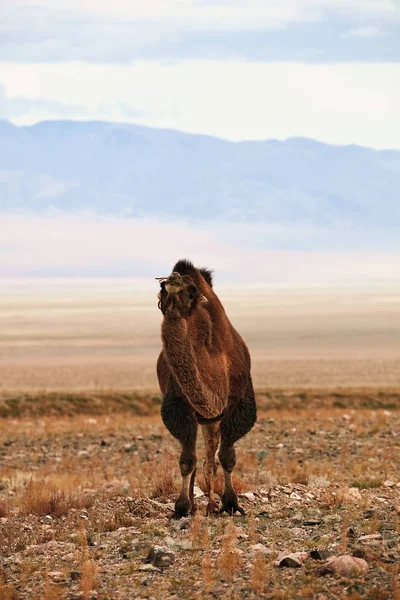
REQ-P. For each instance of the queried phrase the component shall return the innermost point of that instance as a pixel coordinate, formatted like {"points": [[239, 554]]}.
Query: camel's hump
{"points": [[185, 267]]}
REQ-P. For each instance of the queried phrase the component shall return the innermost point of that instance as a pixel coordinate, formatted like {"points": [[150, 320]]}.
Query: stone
{"points": [[179, 524], [294, 496], [260, 548], [352, 494], [57, 576], [389, 483], [161, 556], [248, 496], [130, 447], [345, 565], [148, 568], [292, 560], [83, 454], [197, 492], [169, 541], [69, 556], [185, 545], [370, 538]]}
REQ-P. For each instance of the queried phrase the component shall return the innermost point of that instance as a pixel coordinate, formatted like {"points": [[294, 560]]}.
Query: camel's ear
{"points": [[160, 294], [192, 291]]}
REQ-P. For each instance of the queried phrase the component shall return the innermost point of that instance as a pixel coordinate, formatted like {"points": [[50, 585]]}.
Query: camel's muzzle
{"points": [[174, 283]]}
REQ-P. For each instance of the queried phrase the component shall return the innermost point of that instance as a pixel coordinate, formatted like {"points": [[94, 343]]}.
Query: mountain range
{"points": [[135, 171]]}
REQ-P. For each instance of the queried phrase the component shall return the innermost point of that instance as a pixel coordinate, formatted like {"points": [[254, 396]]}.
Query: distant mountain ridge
{"points": [[131, 170]]}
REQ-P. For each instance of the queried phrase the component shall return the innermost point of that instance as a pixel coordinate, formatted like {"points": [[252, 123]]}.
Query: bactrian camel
{"points": [[204, 375]]}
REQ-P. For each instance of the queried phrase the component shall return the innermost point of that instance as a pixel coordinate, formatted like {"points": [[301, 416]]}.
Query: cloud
{"points": [[33, 109], [370, 31], [18, 106], [341, 104], [121, 32], [235, 13], [65, 244]]}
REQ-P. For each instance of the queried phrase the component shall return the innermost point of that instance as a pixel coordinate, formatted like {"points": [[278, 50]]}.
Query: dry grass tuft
{"points": [[259, 574], [4, 508], [229, 561], [164, 477], [195, 527], [120, 518], [7, 592], [294, 472], [88, 577], [252, 529], [52, 591], [367, 483], [42, 498], [208, 571], [344, 541]]}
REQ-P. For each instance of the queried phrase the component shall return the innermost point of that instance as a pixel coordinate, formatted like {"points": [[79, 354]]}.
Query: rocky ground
{"points": [[85, 503]]}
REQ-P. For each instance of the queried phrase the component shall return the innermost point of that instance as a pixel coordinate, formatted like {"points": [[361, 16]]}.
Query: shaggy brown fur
{"points": [[204, 375]]}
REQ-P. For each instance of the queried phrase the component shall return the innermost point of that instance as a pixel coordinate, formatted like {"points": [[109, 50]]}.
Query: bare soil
{"points": [[105, 334]]}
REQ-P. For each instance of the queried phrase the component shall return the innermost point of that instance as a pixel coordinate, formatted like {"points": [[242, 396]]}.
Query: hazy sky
{"points": [[89, 245], [240, 69]]}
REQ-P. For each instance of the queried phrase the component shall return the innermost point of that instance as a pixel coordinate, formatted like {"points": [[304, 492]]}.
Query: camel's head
{"points": [[180, 293]]}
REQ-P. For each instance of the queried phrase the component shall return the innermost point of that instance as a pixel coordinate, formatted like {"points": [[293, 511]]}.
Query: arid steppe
{"points": [[105, 334], [88, 473]]}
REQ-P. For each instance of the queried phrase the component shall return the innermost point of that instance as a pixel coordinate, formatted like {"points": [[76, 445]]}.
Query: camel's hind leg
{"points": [[211, 434], [238, 419], [180, 420]]}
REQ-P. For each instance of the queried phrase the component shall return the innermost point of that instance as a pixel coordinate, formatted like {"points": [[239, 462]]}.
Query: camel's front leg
{"points": [[211, 436], [180, 420], [187, 462]]}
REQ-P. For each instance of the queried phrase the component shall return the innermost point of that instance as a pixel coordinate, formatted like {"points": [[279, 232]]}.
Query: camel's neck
{"points": [[184, 357]]}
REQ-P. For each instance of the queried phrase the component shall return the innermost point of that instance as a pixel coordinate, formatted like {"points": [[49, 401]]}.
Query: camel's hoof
{"points": [[230, 505], [212, 509], [182, 509]]}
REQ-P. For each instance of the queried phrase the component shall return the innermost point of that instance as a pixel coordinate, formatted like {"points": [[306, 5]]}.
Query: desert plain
{"points": [[88, 473]]}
